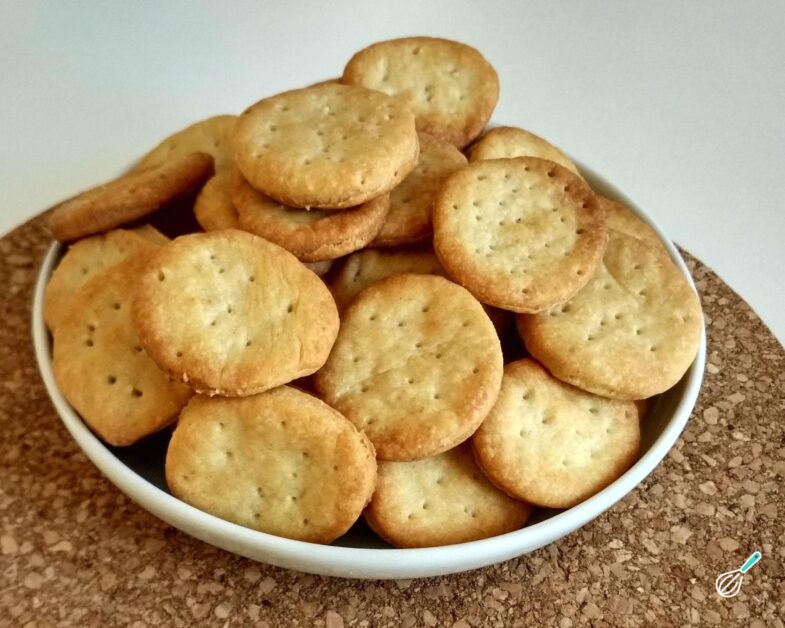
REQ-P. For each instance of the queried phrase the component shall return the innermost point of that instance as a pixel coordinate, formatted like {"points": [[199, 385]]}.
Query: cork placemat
{"points": [[74, 551]]}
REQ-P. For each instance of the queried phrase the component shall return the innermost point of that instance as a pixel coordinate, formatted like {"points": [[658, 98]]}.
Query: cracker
{"points": [[129, 198], [281, 462], [151, 233], [230, 313], [329, 146], [450, 87], [416, 365], [409, 219], [84, 260], [363, 268], [505, 142], [213, 208], [551, 444], [630, 333], [440, 500], [312, 235], [522, 234], [319, 268], [621, 218], [209, 136], [100, 366]]}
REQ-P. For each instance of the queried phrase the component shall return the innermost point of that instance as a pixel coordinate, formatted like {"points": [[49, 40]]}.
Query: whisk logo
{"points": [[728, 584]]}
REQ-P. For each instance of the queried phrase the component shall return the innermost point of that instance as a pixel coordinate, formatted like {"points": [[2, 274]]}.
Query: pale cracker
{"points": [[450, 87], [363, 268], [551, 444], [230, 313], [621, 218], [129, 198], [522, 234], [99, 364], [86, 258], [213, 208], [417, 366], [281, 462], [329, 146], [630, 333], [409, 219], [312, 235], [209, 136], [440, 500], [505, 142]]}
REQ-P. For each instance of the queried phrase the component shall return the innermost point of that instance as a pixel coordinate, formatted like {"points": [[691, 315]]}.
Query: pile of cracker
{"points": [[388, 312]]}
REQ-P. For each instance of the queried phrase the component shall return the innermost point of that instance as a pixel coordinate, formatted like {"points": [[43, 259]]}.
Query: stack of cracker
{"points": [[393, 384]]}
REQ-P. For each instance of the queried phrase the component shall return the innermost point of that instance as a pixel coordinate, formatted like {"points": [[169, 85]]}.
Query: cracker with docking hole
{"points": [[450, 87], [230, 313], [363, 268], [417, 366], [129, 198], [621, 218], [440, 500], [630, 333], [330, 147], [505, 142], [99, 364], [312, 235], [409, 219], [213, 208], [281, 462], [521, 234], [552, 444], [85, 259], [209, 136]]}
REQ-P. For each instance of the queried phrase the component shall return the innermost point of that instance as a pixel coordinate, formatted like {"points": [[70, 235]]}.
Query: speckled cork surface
{"points": [[74, 551]]}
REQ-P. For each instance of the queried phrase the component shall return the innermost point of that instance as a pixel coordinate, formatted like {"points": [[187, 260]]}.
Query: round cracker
{"points": [[409, 219], [551, 444], [621, 218], [130, 197], [450, 87], [230, 313], [312, 235], [282, 462], [505, 142], [522, 234], [209, 136], [440, 500], [85, 259], [213, 207], [630, 333], [329, 146], [417, 366], [99, 364], [363, 268]]}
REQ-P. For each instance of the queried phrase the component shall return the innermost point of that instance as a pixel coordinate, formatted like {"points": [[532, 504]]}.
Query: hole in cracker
{"points": [[138, 349], [410, 381], [290, 308], [372, 317], [579, 231], [440, 480], [251, 278], [653, 348], [111, 379], [565, 309], [475, 370], [161, 276], [135, 392], [425, 505], [179, 354], [436, 396], [248, 343], [89, 343], [638, 331], [579, 272]]}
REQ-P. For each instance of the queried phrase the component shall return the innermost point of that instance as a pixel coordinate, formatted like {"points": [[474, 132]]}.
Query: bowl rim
{"points": [[369, 563]]}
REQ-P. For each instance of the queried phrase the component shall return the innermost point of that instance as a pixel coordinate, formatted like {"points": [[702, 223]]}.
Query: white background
{"points": [[680, 104]]}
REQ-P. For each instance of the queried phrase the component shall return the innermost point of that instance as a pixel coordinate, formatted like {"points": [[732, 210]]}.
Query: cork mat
{"points": [[76, 552]]}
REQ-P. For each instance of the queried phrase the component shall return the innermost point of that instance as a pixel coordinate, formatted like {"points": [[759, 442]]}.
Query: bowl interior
{"points": [[139, 471]]}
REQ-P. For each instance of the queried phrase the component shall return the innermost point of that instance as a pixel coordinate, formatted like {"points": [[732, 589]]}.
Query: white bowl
{"points": [[138, 472]]}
